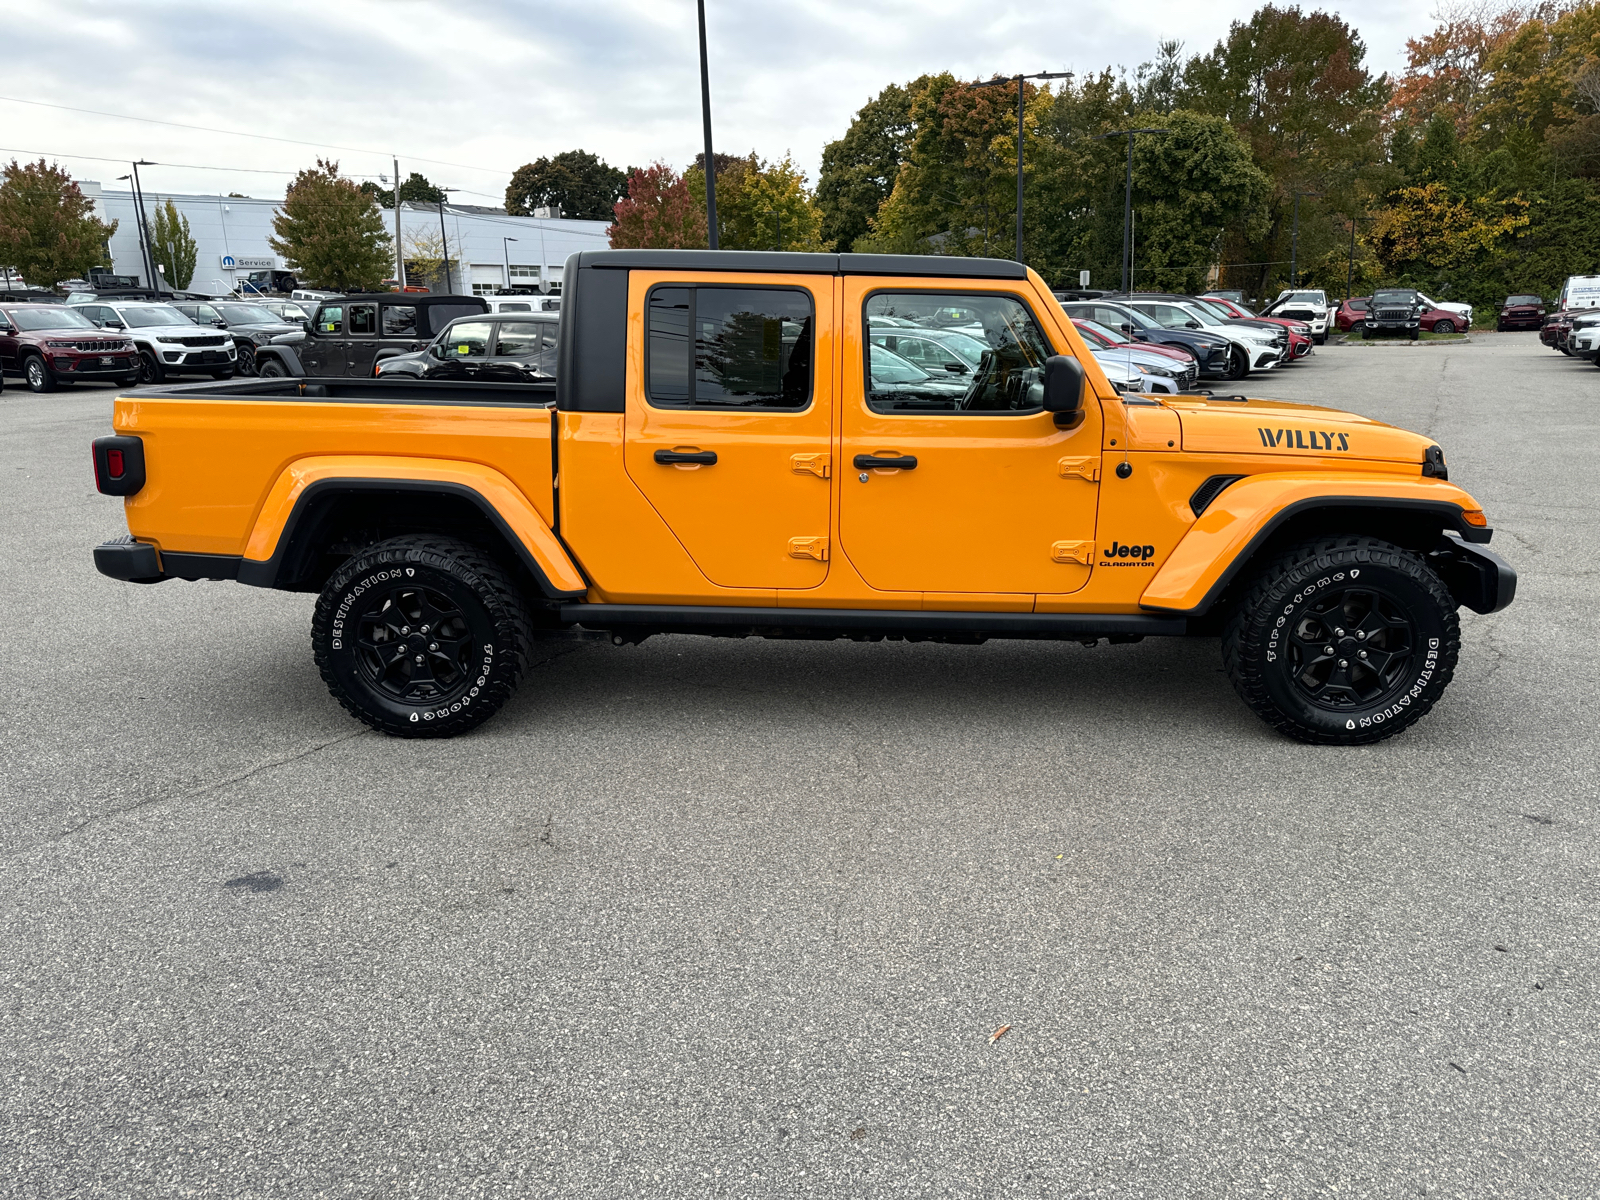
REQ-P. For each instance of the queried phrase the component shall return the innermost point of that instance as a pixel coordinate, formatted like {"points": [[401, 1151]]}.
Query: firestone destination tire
{"points": [[421, 636], [1343, 641]]}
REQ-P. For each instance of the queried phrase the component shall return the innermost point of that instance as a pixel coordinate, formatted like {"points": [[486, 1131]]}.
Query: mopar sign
{"points": [[243, 263]]}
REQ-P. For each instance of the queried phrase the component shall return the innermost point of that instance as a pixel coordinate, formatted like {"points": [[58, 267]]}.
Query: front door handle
{"points": [[903, 462], [706, 458]]}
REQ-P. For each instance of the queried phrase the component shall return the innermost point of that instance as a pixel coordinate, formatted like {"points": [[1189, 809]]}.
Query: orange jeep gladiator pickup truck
{"points": [[768, 444]]}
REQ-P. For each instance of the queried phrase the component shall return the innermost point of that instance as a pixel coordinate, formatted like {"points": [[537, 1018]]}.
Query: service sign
{"points": [[244, 263]]}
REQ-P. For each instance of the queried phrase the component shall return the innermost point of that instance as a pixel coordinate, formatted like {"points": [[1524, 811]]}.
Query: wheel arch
{"points": [[317, 515], [1241, 531]]}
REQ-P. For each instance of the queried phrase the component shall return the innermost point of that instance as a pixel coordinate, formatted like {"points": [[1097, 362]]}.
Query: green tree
{"points": [[761, 205], [416, 190], [331, 232], [859, 170], [1294, 85], [658, 213], [172, 245], [48, 230], [575, 181]]}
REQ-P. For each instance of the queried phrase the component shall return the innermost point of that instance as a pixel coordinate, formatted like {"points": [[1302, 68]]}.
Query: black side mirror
{"points": [[1193, 324], [1063, 388], [1126, 327], [955, 368]]}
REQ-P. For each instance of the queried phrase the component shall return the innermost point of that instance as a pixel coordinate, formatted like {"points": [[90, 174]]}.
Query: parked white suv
{"points": [[1255, 348], [169, 343], [1303, 304]]}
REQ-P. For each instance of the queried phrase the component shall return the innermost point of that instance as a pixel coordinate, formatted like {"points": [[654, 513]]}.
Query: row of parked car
{"points": [[102, 337]]}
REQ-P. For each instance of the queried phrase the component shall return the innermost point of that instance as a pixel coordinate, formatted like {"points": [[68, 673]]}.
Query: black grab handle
{"points": [[706, 458], [905, 462]]}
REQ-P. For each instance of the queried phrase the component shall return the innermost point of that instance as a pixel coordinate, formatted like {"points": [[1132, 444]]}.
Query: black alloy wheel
{"points": [[40, 377], [272, 368], [1238, 364], [1358, 326], [1444, 326], [1343, 641], [150, 370], [246, 363], [421, 636]]}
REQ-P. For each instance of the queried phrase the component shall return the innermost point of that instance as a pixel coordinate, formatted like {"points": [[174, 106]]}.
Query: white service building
{"points": [[231, 233]]}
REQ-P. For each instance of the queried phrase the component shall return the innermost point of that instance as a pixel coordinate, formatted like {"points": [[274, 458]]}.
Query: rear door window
{"points": [[363, 320], [729, 347]]}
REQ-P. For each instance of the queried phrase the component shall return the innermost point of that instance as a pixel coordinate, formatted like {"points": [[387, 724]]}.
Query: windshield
{"points": [[1524, 300], [1306, 298], [158, 314], [247, 314], [1098, 332], [48, 318], [1210, 310], [1394, 298]]}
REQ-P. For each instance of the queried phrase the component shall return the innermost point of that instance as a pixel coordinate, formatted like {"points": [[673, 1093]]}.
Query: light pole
{"points": [[443, 236], [705, 116], [1350, 271], [1294, 242], [505, 249], [1127, 204], [1017, 79], [399, 245], [146, 253]]}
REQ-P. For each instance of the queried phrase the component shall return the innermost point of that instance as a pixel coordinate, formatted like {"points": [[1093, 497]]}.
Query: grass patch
{"points": [[1355, 339]]}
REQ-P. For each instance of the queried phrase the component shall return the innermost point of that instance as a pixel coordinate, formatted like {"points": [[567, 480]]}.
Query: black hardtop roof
{"points": [[774, 261], [396, 298]]}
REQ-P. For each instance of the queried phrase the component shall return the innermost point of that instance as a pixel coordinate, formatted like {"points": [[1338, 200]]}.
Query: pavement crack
{"points": [[240, 777]]}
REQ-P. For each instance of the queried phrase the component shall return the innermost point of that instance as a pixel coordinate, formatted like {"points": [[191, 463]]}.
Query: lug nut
{"points": [[405, 629], [1338, 633], [1327, 649], [435, 646], [1361, 653], [425, 629], [1342, 662], [1361, 634], [421, 659]]}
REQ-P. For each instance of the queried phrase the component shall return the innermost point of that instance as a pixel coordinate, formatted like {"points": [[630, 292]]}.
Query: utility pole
{"points": [[1017, 79], [705, 115], [443, 237], [399, 245], [1350, 271], [1127, 204], [505, 249], [1294, 242]]}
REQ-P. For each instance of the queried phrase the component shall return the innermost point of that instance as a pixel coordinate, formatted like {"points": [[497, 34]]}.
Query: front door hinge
{"points": [[1072, 552], [809, 547], [819, 465], [1087, 469]]}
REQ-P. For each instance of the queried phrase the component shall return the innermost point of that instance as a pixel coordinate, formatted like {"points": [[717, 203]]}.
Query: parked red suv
{"points": [[51, 344], [1521, 312]]}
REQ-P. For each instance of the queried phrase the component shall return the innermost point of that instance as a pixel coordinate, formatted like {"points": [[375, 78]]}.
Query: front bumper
{"points": [[1477, 577], [94, 366], [1263, 357], [1393, 326]]}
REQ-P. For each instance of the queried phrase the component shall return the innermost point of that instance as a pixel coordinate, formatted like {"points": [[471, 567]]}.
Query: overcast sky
{"points": [[480, 87]]}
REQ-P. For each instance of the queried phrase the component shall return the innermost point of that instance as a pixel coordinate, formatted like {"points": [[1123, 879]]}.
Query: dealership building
{"points": [[487, 249]]}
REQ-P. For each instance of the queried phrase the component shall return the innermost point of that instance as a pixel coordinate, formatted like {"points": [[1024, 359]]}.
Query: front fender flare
{"points": [[1245, 515], [501, 501]]}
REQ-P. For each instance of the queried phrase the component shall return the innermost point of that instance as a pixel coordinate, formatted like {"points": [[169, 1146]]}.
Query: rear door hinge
{"points": [[1087, 469], [1072, 552], [809, 547], [819, 465]]}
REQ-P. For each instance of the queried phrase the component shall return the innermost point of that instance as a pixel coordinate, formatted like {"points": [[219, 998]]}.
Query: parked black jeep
{"points": [[350, 334], [1393, 310]]}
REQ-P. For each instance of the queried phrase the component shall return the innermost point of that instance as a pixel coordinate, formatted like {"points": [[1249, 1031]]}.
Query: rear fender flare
{"points": [[272, 546], [1244, 517]]}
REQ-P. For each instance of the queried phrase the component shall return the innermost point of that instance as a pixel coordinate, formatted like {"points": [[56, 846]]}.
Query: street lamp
{"points": [[443, 237], [1127, 205], [505, 249], [1017, 79], [705, 115], [146, 254], [1294, 243]]}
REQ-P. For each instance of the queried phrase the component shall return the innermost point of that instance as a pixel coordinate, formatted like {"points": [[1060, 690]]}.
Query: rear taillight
{"points": [[118, 465]]}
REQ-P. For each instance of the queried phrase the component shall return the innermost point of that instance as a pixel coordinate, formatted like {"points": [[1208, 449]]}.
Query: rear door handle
{"points": [[706, 458], [904, 462]]}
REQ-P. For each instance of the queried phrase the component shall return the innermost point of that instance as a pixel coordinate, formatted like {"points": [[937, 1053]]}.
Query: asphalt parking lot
{"points": [[718, 918]]}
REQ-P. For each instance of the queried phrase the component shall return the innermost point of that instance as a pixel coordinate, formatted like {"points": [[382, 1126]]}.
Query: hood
{"points": [[1278, 427]]}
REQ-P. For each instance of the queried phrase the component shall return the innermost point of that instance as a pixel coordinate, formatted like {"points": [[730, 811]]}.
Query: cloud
{"points": [[483, 85]]}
